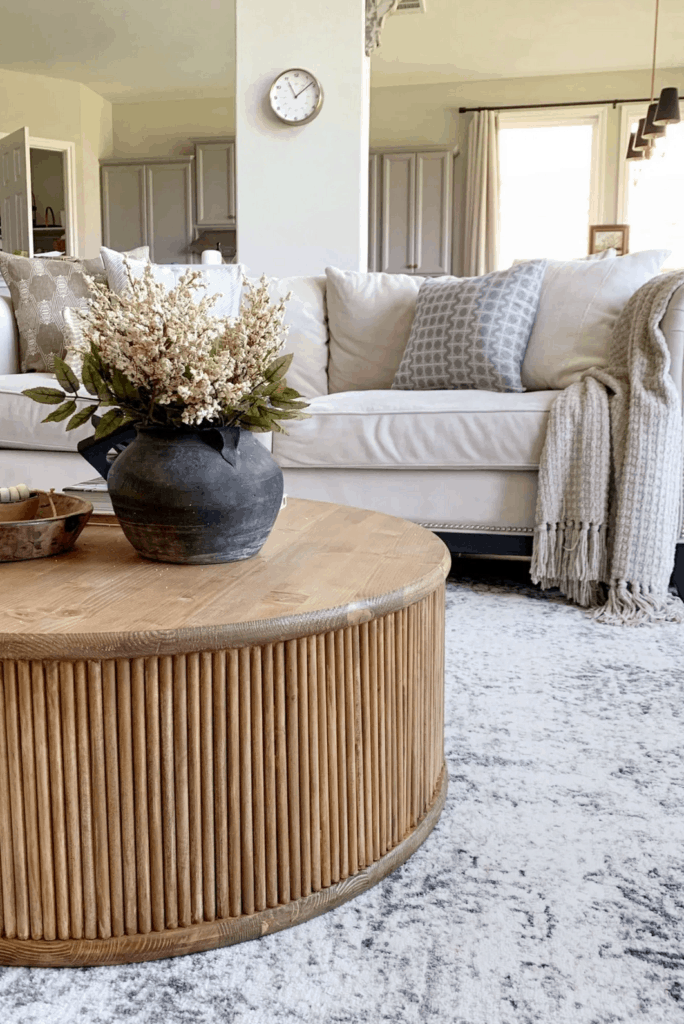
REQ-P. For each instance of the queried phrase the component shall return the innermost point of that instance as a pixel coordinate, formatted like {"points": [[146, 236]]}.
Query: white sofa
{"points": [[463, 463]]}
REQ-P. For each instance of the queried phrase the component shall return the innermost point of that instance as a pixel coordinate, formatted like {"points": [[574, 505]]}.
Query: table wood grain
{"points": [[324, 566]]}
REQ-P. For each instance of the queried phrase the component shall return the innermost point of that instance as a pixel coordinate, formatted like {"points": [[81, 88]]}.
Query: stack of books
{"points": [[95, 491]]}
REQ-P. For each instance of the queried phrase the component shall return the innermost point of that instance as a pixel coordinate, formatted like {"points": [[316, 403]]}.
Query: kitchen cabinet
{"points": [[374, 164], [149, 202], [410, 211], [215, 183]]}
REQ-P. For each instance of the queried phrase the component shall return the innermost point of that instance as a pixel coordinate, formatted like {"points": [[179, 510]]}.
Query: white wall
{"points": [[428, 115], [302, 191], [56, 109], [165, 127]]}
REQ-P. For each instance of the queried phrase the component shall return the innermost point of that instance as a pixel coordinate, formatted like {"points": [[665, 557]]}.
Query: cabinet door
{"points": [[398, 213], [215, 178], [433, 213], [169, 211], [124, 206]]}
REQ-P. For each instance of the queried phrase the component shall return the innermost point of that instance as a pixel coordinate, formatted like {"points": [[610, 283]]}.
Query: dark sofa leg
{"points": [[678, 571]]}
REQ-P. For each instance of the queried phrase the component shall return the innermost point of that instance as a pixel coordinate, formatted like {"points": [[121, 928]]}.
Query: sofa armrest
{"points": [[9, 336], [672, 326]]}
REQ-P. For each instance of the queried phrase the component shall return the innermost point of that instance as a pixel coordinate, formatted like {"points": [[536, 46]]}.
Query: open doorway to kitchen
{"points": [[39, 211]]}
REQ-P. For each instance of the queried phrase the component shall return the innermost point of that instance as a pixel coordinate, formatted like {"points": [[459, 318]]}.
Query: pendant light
{"points": [[660, 113], [668, 108], [651, 130], [632, 153], [640, 141]]}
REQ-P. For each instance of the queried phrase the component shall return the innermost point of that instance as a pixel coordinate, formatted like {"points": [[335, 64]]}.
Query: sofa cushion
{"points": [[43, 470], [9, 334], [579, 303], [224, 281], [20, 417], [307, 337], [418, 429], [369, 317], [472, 332]]}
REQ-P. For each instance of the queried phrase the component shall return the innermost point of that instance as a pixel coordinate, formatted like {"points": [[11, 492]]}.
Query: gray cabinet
{"points": [[410, 208], [149, 203], [374, 164], [215, 183]]}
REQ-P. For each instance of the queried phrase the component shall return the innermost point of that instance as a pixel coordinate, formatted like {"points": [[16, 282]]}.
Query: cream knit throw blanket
{"points": [[609, 508]]}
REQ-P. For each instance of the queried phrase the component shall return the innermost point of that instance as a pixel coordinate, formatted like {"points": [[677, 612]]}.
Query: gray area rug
{"points": [[550, 892]]}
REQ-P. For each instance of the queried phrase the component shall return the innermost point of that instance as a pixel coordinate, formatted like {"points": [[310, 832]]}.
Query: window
{"points": [[551, 168], [652, 192]]}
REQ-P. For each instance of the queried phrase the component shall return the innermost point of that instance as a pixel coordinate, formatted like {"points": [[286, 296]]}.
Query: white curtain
{"points": [[481, 227]]}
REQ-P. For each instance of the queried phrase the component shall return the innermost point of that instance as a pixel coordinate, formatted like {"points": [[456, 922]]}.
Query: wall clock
{"points": [[296, 96]]}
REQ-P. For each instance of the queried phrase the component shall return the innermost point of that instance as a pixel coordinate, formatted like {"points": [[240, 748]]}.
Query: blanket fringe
{"points": [[570, 556], [636, 604], [573, 556]]}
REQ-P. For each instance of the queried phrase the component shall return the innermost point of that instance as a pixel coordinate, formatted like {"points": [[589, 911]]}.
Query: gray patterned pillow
{"points": [[472, 332]]}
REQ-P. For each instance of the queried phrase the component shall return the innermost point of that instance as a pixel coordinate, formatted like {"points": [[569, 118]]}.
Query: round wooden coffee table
{"points": [[191, 756]]}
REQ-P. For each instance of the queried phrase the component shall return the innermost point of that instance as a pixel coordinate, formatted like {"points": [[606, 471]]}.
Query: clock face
{"points": [[296, 96]]}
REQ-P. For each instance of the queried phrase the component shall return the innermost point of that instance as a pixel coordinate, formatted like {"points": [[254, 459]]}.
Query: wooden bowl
{"points": [[58, 523], [15, 511]]}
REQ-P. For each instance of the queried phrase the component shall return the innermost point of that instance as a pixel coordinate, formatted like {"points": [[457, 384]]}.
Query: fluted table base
{"points": [[155, 806]]}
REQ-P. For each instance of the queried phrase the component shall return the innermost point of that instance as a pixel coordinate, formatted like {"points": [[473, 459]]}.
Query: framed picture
{"points": [[609, 236]]}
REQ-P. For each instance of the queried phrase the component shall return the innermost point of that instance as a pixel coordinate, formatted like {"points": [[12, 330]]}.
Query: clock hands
{"points": [[298, 94]]}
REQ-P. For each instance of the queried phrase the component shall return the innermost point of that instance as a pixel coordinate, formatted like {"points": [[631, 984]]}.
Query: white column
{"points": [[302, 192]]}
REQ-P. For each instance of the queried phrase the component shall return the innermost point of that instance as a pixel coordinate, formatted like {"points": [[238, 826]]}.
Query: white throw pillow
{"points": [[223, 280], [96, 267], [307, 337], [605, 254], [579, 303], [370, 318]]}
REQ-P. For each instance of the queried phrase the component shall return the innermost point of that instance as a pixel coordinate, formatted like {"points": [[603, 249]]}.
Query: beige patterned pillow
{"points": [[41, 290]]}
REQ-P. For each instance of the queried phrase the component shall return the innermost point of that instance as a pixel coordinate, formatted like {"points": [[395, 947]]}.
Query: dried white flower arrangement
{"points": [[159, 358]]}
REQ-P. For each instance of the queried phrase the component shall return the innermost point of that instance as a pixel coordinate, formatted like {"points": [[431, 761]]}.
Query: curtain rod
{"points": [[541, 106]]}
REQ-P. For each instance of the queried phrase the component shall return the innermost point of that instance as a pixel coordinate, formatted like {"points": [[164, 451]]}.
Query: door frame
{"points": [[68, 151]]}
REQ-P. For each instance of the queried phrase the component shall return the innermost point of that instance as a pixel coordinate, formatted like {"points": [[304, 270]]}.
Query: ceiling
{"points": [[128, 50], [124, 49], [471, 39]]}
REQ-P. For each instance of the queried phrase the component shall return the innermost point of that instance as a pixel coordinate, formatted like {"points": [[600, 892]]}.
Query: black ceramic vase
{"points": [[196, 496]]}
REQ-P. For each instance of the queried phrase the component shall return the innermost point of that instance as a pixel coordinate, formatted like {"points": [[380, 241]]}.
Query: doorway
{"points": [[48, 205], [54, 164]]}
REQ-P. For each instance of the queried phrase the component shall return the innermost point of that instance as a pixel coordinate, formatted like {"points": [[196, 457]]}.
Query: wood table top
{"points": [[325, 566]]}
